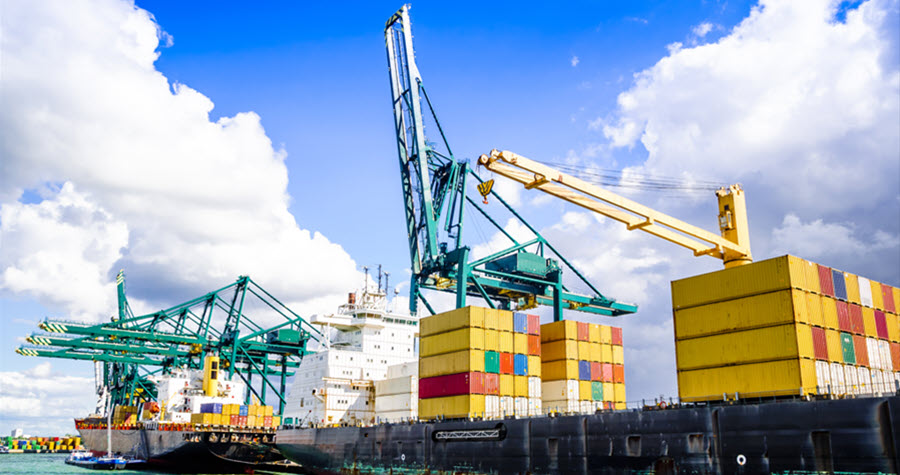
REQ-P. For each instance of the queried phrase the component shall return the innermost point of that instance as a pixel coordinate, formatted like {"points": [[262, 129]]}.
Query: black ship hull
{"points": [[846, 435]]}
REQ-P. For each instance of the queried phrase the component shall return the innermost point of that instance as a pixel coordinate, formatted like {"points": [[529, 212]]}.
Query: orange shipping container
{"points": [[584, 331], [534, 345], [887, 295], [862, 352], [618, 373], [895, 356]]}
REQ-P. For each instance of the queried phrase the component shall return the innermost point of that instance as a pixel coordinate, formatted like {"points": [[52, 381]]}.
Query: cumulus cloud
{"points": [[817, 239], [43, 400], [149, 182], [702, 29]]}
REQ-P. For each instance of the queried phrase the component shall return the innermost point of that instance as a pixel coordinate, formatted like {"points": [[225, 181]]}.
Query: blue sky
{"points": [[110, 160]]}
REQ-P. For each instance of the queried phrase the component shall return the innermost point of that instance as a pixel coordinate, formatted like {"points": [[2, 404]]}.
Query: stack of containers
{"points": [[583, 367], [477, 362], [784, 326], [397, 397]]}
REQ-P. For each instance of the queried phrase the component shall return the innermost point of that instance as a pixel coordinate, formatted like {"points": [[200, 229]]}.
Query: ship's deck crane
{"points": [[435, 187], [732, 246]]}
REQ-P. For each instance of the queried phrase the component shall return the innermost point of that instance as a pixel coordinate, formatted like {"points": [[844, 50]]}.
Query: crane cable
{"points": [[637, 181]]}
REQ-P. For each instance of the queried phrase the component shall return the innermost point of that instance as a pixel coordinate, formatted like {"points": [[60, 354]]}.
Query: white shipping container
{"points": [[886, 361], [559, 390], [507, 406], [874, 353], [880, 379], [492, 406], [534, 406], [534, 387], [396, 402], [403, 369], [399, 385], [837, 379], [521, 406], [865, 292], [823, 377], [850, 379], [587, 407], [864, 379], [564, 406]]}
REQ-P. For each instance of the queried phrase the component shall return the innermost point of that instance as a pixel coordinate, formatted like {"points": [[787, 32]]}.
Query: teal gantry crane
{"points": [[133, 348], [435, 186]]}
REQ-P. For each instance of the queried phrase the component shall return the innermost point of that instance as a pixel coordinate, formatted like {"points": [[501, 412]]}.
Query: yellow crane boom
{"points": [[732, 245]]}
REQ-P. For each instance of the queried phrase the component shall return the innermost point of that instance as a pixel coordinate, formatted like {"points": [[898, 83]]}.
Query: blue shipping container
{"points": [[211, 408], [840, 286], [242, 411], [520, 365], [520, 322], [584, 370]]}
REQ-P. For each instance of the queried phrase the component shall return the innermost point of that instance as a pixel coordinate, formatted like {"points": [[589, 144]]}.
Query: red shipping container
{"points": [[820, 344], [596, 371], [856, 320], [895, 356], [534, 325], [616, 335], [242, 421], [534, 345], [862, 352], [492, 383], [267, 421], [843, 314], [607, 372], [881, 325], [584, 331], [618, 373], [825, 282], [887, 296], [507, 363], [235, 420], [451, 385]]}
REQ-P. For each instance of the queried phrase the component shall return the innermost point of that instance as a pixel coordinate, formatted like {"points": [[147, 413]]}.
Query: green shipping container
{"points": [[597, 390], [491, 362], [847, 348]]}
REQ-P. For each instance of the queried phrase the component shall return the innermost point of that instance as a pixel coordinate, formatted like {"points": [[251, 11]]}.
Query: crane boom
{"points": [[732, 246]]}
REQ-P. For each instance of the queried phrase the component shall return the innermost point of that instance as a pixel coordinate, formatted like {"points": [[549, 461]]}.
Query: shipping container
{"points": [[893, 327], [534, 387], [596, 353], [452, 407], [616, 336], [584, 350], [606, 353], [520, 365], [534, 366], [826, 285], [887, 361], [395, 402], [504, 324], [507, 364], [895, 356], [607, 373], [563, 369], [840, 287], [583, 331], [521, 406], [507, 385], [605, 335], [561, 330], [820, 343], [452, 341], [465, 361], [618, 373], [833, 340], [594, 333], [492, 406], [492, 318], [520, 343], [520, 386], [830, 313], [559, 350], [771, 378], [865, 292], [757, 345], [843, 313], [847, 350], [534, 325], [560, 390], [506, 342], [534, 345], [877, 296], [852, 287], [618, 354], [867, 317], [492, 383], [585, 390], [596, 371], [566, 406], [492, 340], [520, 323], [837, 379], [873, 351], [861, 351], [773, 308], [461, 318], [864, 379], [620, 395], [881, 330], [596, 391], [208, 408], [814, 315], [823, 378], [451, 385], [491, 362]]}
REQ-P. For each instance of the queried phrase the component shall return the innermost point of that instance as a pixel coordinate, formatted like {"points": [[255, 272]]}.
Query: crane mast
{"points": [[732, 246]]}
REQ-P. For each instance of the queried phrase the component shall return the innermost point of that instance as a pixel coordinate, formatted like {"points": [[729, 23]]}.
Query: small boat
{"points": [[87, 460]]}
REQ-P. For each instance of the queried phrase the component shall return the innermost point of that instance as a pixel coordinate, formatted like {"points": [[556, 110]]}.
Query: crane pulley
{"points": [[732, 245]]}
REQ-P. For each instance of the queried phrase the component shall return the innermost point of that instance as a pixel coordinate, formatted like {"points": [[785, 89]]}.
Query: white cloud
{"points": [[43, 401], [818, 239], [177, 200], [702, 29], [574, 61]]}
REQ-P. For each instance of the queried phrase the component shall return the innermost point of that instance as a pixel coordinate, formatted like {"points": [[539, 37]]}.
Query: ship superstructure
{"points": [[336, 386]]}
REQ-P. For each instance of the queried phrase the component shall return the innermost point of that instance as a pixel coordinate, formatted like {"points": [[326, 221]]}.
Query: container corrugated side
{"points": [[560, 350], [865, 291], [520, 343], [560, 390], [829, 312], [881, 325], [893, 327], [833, 340], [491, 340], [534, 366], [887, 296], [773, 308], [863, 321], [820, 343], [596, 352], [470, 405], [760, 344], [852, 282], [561, 330], [772, 378], [555, 370], [751, 279], [464, 361], [605, 334], [453, 320], [618, 354], [860, 350], [840, 286], [619, 393], [584, 390], [401, 385], [848, 352], [505, 340], [452, 341], [877, 297], [825, 283]]}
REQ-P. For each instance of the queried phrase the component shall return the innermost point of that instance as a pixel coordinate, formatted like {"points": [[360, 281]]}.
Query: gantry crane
{"points": [[133, 348], [435, 193], [732, 246]]}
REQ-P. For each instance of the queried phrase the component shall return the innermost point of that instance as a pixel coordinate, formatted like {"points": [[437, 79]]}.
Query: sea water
{"points": [[49, 464]]}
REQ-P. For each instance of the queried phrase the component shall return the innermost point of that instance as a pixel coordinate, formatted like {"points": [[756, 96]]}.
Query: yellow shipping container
{"points": [[761, 344], [594, 333], [505, 321], [833, 341], [585, 391], [770, 378], [760, 277], [877, 296], [492, 340], [852, 282], [584, 350], [520, 343], [468, 317], [491, 319], [609, 391], [507, 385], [620, 406], [561, 330], [276, 421], [596, 352], [606, 353], [208, 419], [465, 361], [893, 327], [253, 410], [222, 419], [520, 386], [231, 409], [763, 310], [605, 335], [268, 410], [829, 312], [251, 421], [868, 315], [506, 341], [620, 392], [468, 405], [896, 293], [618, 354], [814, 314], [563, 369], [456, 340], [811, 275], [534, 366]]}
